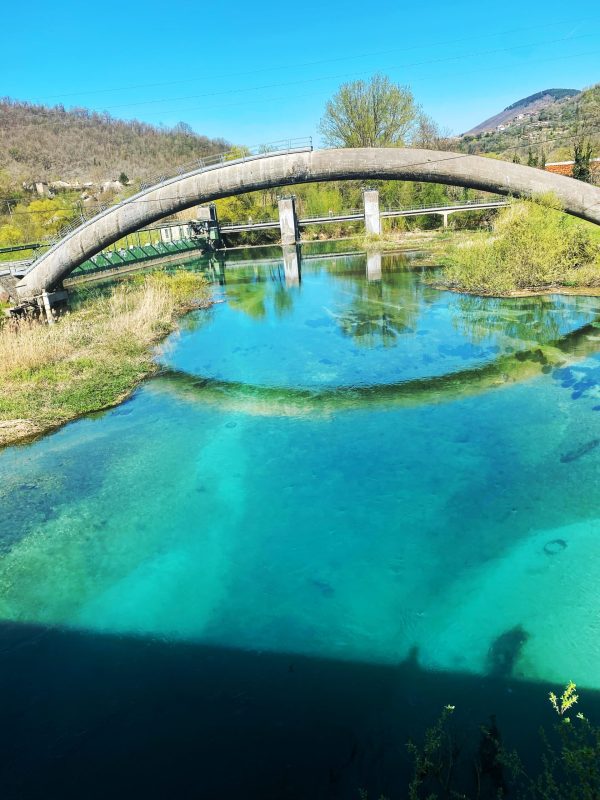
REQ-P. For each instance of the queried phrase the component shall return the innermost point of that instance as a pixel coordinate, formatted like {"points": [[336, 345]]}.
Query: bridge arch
{"points": [[306, 166]]}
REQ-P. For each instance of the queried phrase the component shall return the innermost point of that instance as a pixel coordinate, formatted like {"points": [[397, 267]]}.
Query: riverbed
{"points": [[334, 478]]}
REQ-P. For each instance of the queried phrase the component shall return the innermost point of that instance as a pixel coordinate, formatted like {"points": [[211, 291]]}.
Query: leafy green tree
{"points": [[582, 155], [375, 113]]}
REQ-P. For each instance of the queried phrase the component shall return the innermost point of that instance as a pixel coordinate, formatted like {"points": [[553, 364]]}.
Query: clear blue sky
{"points": [[256, 72]]}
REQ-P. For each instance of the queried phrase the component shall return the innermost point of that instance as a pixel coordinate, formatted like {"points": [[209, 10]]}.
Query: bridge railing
{"points": [[239, 154], [280, 147], [458, 204], [359, 212]]}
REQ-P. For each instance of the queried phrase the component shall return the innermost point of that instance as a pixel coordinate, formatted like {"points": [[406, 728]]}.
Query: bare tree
{"points": [[427, 134]]}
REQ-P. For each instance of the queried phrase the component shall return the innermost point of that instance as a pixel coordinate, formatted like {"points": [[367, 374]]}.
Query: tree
{"points": [[427, 133], [582, 155], [377, 113], [183, 128]]}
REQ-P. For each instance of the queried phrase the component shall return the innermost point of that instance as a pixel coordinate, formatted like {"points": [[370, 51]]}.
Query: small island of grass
{"points": [[533, 247], [94, 357]]}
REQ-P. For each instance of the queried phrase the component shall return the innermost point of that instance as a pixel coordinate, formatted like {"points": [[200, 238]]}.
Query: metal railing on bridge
{"points": [[236, 155], [358, 213]]}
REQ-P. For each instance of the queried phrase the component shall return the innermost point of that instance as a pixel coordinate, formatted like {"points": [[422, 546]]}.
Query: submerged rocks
{"points": [[580, 451]]}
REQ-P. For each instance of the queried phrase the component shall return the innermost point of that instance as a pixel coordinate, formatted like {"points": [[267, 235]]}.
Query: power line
{"points": [[296, 66], [220, 106], [131, 201], [348, 75], [279, 98]]}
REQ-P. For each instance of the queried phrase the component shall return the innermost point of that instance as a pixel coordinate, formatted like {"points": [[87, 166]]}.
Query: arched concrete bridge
{"points": [[274, 170]]}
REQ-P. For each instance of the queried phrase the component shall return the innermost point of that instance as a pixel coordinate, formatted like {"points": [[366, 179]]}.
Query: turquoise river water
{"points": [[349, 471]]}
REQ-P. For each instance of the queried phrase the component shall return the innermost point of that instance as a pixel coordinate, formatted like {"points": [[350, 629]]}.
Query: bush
{"points": [[533, 246]]}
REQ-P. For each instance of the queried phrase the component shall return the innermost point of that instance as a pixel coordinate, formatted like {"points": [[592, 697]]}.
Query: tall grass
{"points": [[92, 357], [533, 246]]}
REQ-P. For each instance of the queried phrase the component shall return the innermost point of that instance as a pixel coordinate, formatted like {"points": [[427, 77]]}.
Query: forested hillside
{"points": [[550, 131], [526, 107], [39, 143]]}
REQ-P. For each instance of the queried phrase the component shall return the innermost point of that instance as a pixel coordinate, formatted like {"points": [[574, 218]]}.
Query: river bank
{"points": [[533, 248], [94, 357]]}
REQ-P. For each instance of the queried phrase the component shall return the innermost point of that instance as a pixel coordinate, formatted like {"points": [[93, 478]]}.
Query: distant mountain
{"points": [[542, 127], [522, 109], [41, 143]]}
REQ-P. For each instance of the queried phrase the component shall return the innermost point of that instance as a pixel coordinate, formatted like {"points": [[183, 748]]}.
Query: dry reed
{"points": [[93, 356]]}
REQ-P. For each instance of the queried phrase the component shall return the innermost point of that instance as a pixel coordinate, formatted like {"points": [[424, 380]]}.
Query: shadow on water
{"points": [[91, 716]]}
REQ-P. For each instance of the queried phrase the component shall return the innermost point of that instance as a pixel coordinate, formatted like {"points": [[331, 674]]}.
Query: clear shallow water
{"points": [[381, 516]]}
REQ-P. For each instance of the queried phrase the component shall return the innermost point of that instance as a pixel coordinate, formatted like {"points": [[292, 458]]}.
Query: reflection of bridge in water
{"points": [[503, 372], [217, 264], [292, 259]]}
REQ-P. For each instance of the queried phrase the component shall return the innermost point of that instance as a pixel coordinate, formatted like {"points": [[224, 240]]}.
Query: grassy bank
{"points": [[533, 247], [94, 356]]}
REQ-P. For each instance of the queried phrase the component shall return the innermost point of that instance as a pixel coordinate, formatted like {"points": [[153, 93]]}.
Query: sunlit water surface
{"points": [[298, 485]]}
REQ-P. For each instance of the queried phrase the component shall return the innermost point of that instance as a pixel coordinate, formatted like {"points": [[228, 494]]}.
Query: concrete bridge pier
{"points": [[214, 229], [374, 266], [445, 215], [291, 264], [288, 221], [372, 218]]}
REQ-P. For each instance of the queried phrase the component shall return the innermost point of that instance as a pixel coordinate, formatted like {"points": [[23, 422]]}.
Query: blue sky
{"points": [[257, 72]]}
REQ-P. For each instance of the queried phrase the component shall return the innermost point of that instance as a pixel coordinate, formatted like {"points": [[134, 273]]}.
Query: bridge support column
{"points": [[214, 229], [291, 264], [288, 221], [374, 266], [47, 308], [372, 218], [445, 215]]}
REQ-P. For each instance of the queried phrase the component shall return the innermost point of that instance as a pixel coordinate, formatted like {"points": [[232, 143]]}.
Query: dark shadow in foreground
{"points": [[88, 716]]}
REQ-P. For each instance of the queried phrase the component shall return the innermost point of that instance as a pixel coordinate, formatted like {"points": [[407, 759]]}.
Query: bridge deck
{"points": [[264, 171]]}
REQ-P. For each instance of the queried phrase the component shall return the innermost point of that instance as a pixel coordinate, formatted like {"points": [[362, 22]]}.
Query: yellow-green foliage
{"points": [[533, 246], [92, 357], [566, 701], [37, 220]]}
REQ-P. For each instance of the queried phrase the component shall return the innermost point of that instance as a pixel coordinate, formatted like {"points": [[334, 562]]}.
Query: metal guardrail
{"points": [[358, 213], [458, 204], [238, 155]]}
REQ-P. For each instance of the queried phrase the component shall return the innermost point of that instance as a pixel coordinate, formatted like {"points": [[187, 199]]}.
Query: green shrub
{"points": [[533, 245]]}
